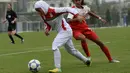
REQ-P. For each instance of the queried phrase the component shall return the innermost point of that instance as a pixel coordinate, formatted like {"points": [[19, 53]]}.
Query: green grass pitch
{"points": [[14, 58]]}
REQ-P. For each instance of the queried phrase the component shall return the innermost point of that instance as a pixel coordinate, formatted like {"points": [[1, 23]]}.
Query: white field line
{"points": [[36, 50]]}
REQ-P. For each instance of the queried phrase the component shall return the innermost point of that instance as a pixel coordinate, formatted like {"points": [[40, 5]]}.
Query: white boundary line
{"points": [[23, 52]]}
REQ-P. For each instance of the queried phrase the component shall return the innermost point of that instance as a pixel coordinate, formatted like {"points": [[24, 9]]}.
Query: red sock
{"points": [[85, 48], [107, 53]]}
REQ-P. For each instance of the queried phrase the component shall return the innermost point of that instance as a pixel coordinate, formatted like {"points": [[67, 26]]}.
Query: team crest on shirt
{"points": [[9, 16]]}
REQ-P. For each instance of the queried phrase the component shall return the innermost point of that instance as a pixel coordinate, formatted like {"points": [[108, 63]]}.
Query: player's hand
{"points": [[47, 32], [104, 21], [80, 18], [12, 22], [3, 21]]}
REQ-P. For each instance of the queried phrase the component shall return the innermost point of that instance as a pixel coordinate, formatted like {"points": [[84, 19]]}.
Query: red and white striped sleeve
{"points": [[48, 27], [71, 16]]}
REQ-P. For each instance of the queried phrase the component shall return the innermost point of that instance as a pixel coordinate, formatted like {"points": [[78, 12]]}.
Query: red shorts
{"points": [[89, 33]]}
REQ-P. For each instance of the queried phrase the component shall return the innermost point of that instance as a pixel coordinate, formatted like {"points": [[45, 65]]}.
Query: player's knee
{"points": [[13, 32], [99, 43], [102, 44], [9, 33], [82, 38], [54, 47], [74, 52]]}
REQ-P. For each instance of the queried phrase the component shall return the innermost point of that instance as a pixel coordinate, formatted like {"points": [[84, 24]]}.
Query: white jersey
{"points": [[56, 22], [59, 24], [53, 16], [82, 12]]}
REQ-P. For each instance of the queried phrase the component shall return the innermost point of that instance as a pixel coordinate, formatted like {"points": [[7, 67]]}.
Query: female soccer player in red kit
{"points": [[81, 31]]}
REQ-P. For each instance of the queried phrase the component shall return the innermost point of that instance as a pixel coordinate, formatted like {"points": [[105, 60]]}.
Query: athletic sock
{"points": [[57, 58], [11, 38], [18, 36], [85, 48], [107, 53]]}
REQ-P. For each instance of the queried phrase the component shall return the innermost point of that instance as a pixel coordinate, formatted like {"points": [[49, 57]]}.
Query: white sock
{"points": [[78, 55], [57, 58]]}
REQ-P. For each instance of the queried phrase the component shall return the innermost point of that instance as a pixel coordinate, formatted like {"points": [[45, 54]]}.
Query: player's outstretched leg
{"points": [[86, 50], [106, 51], [83, 43], [85, 47], [70, 49], [22, 40]]}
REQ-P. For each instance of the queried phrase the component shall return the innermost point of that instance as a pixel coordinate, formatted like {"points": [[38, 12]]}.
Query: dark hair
{"points": [[10, 4], [82, 3], [37, 9]]}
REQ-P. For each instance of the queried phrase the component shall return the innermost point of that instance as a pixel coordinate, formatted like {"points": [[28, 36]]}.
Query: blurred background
{"points": [[116, 12]]}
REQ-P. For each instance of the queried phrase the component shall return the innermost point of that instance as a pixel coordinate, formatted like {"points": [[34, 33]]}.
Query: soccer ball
{"points": [[34, 65]]}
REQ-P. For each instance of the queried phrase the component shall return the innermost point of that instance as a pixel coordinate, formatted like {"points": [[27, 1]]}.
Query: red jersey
{"points": [[76, 24]]}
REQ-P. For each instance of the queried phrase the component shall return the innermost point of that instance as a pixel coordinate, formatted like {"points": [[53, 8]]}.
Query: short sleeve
{"points": [[70, 16], [14, 14], [87, 8]]}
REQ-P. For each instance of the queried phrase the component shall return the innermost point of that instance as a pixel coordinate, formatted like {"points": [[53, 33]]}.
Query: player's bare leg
{"points": [[106, 51], [84, 45]]}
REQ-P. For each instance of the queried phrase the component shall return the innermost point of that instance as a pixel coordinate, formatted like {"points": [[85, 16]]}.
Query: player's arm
{"points": [[47, 29], [15, 17], [42, 14], [96, 16], [4, 21], [66, 10], [71, 18]]}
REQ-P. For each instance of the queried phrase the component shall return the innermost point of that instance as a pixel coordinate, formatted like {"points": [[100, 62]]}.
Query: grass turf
{"points": [[14, 58]]}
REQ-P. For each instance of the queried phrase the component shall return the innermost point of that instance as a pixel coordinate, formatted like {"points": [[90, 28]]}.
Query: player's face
{"points": [[9, 7], [77, 2], [40, 11]]}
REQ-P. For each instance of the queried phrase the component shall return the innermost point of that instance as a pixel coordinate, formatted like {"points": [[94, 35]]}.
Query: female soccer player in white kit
{"points": [[53, 19]]}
